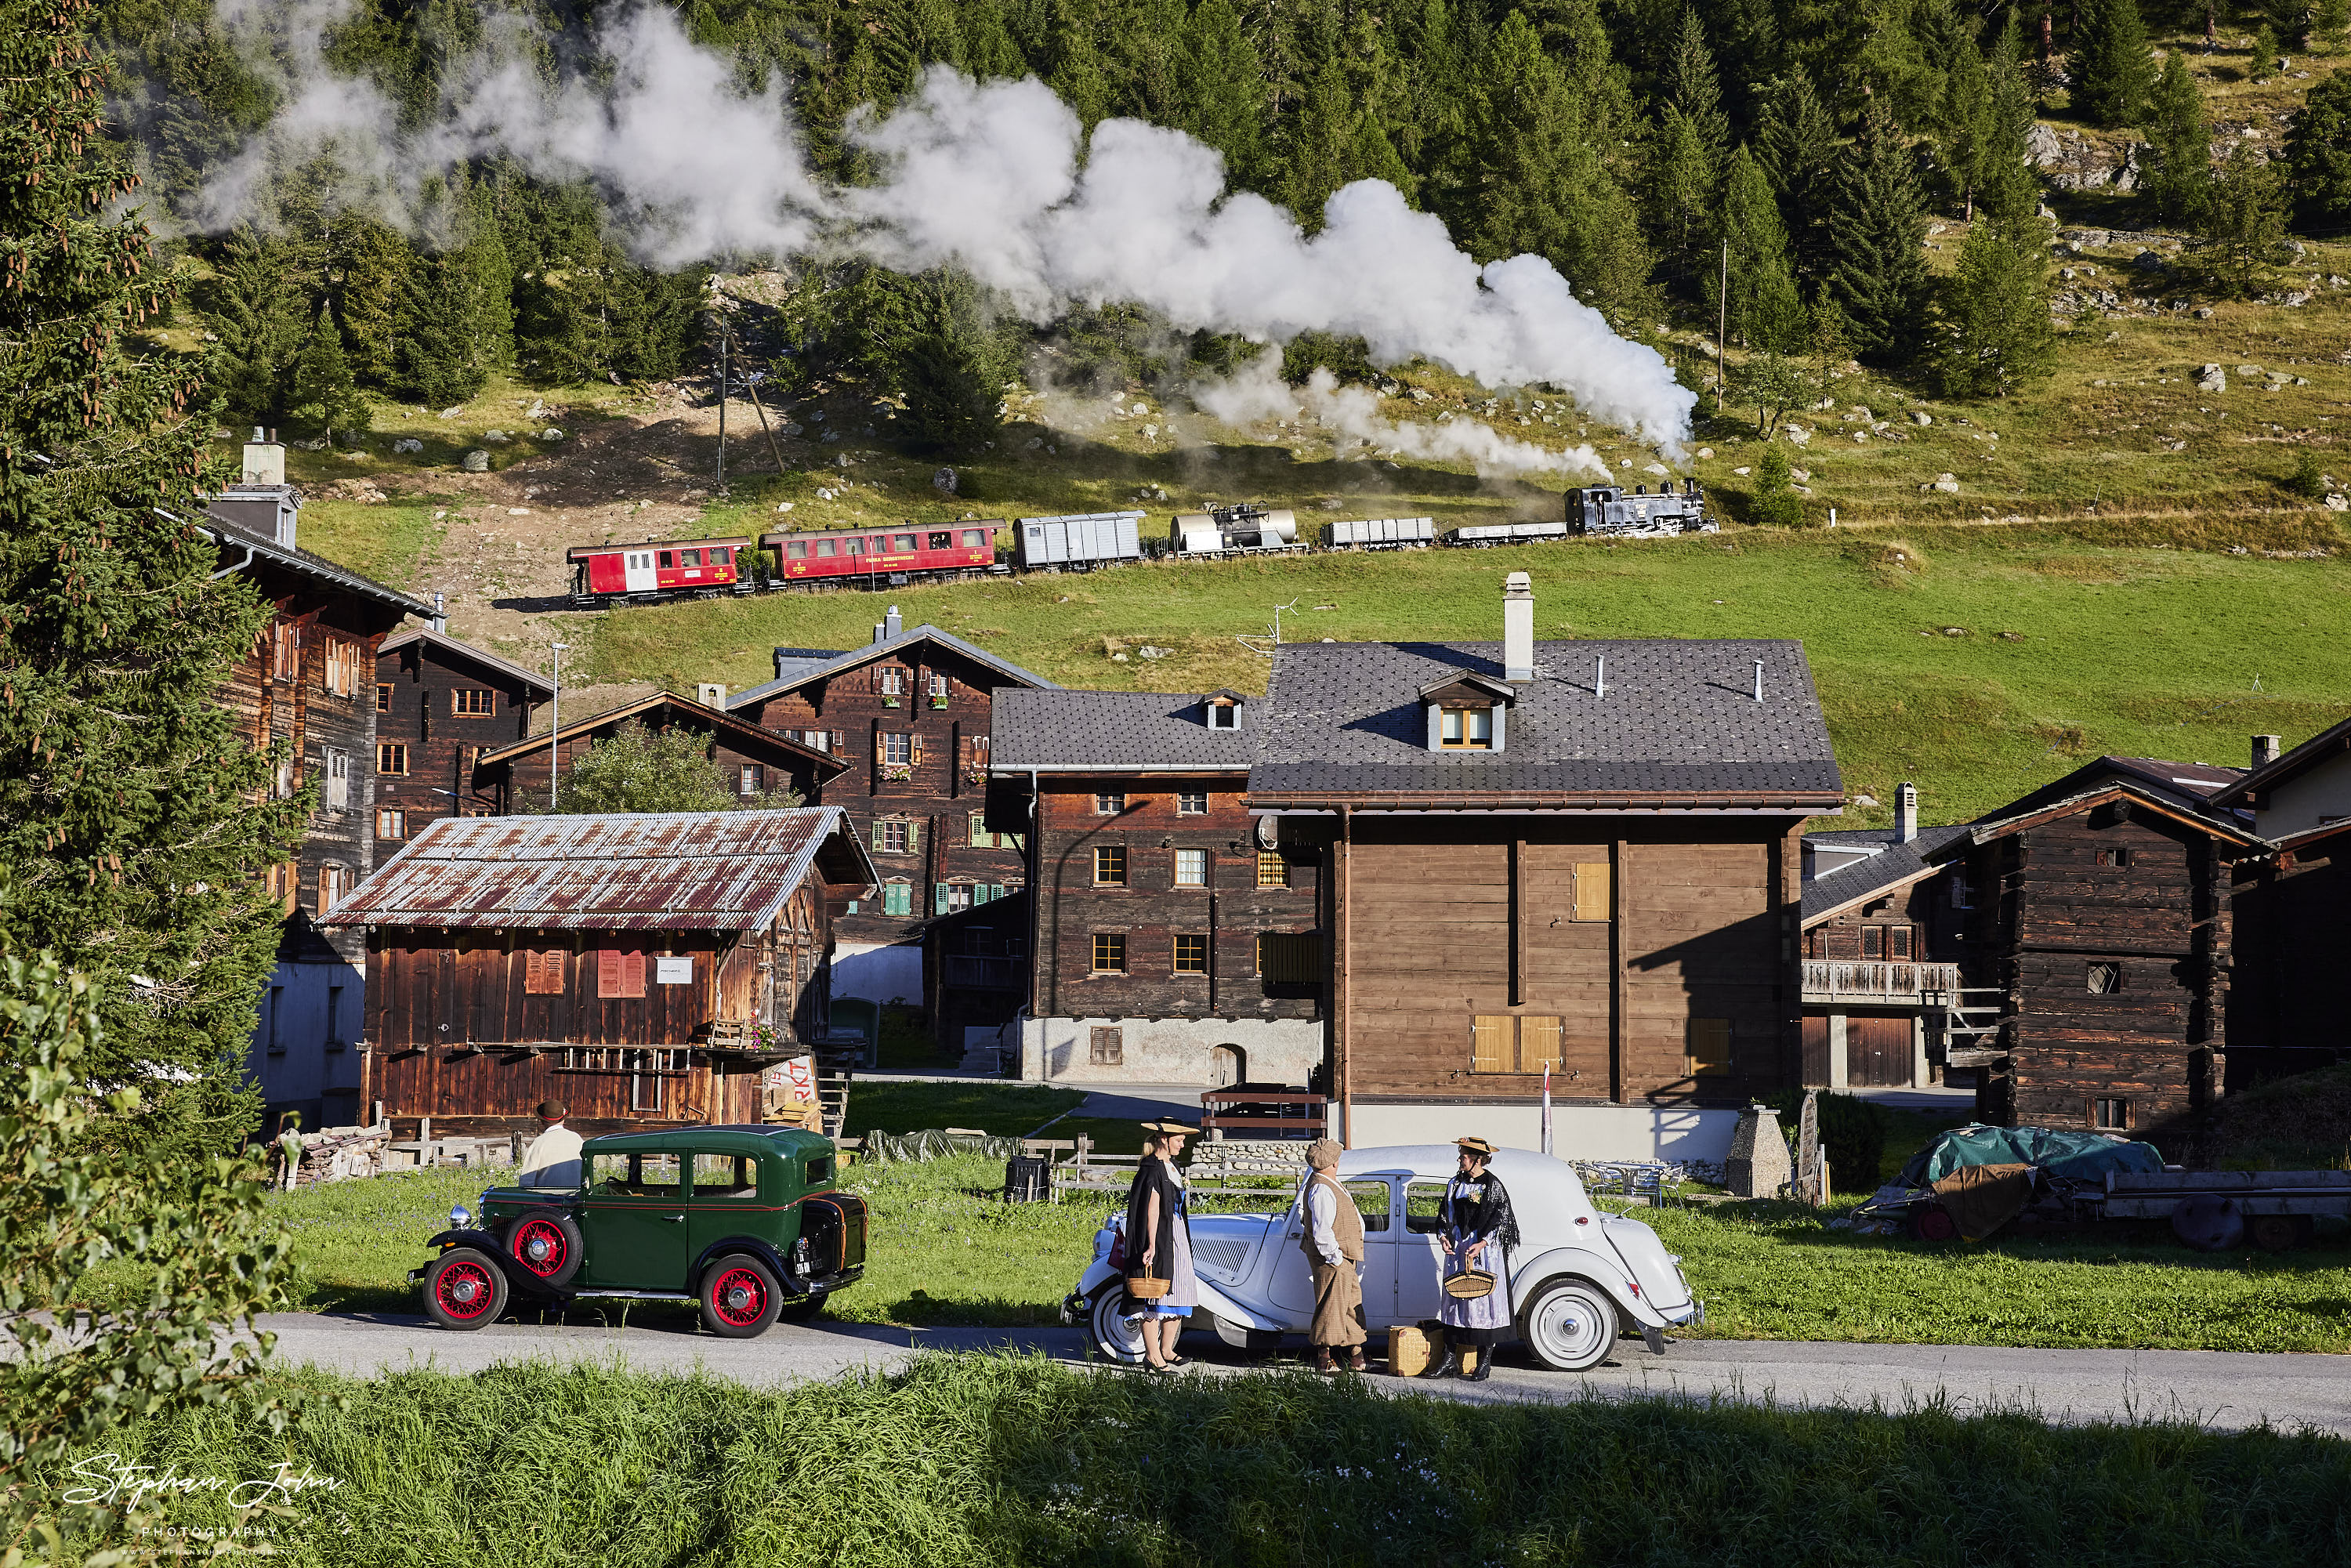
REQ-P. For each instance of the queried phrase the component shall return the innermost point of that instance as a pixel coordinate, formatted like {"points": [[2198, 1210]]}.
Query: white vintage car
{"points": [[1578, 1279]]}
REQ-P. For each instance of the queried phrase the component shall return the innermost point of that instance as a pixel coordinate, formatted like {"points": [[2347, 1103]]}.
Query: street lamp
{"points": [[555, 735]]}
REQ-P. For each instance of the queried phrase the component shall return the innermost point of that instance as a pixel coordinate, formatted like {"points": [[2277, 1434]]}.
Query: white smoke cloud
{"points": [[996, 177], [1351, 417]]}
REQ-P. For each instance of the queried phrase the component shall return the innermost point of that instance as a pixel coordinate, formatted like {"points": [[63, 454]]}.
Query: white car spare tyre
{"points": [[1116, 1337], [1569, 1325]]}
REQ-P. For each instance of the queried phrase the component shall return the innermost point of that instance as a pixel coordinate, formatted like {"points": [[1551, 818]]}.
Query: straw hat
{"points": [[1478, 1146], [1170, 1129]]}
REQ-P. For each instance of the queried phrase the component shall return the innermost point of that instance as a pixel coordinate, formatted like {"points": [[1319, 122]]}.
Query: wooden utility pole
{"points": [[752, 387], [718, 310]]}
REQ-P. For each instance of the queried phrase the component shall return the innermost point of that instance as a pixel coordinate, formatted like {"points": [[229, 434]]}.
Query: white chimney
{"points": [[2268, 749], [880, 633], [264, 460], [1517, 628], [1905, 813], [711, 694], [440, 615], [892, 622]]}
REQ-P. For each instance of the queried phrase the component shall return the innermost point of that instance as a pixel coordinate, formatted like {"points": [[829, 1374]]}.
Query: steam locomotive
{"points": [[895, 556]]}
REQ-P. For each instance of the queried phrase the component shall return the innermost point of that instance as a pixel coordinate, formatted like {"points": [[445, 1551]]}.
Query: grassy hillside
{"points": [[1978, 661]]}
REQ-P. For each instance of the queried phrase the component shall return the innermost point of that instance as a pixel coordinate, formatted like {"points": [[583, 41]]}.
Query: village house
{"points": [[906, 721], [440, 705], [1177, 938], [976, 977], [761, 766], [307, 687], [644, 970], [2290, 991]]}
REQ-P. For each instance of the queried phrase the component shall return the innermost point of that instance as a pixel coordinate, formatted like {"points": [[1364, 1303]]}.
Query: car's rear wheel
{"points": [[1569, 1325], [1115, 1336], [463, 1289], [740, 1297], [545, 1241]]}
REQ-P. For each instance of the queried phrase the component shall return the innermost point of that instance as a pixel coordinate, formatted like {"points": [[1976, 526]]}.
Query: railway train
{"points": [[897, 555]]}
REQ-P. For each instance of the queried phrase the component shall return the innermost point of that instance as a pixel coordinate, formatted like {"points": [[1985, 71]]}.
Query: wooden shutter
{"points": [[914, 750], [1709, 1045], [635, 969], [1489, 1042], [543, 972], [1538, 1043], [620, 972], [1595, 887]]}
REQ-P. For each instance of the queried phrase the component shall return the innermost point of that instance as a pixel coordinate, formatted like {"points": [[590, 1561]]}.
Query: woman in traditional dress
{"points": [[1477, 1231], [1159, 1243]]}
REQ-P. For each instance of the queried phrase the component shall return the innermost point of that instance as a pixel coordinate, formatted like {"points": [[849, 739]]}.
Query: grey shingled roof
{"points": [[1066, 731], [529, 680], [1677, 718], [232, 537], [908, 638], [1890, 867]]}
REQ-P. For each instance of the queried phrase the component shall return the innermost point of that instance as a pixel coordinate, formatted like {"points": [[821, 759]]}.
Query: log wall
{"points": [[415, 685]]}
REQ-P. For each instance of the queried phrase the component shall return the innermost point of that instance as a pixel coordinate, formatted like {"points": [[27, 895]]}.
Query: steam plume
{"points": [[995, 177]]}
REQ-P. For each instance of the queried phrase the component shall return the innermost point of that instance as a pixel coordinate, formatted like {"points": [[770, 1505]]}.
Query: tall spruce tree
{"points": [[1878, 233], [1691, 152], [2113, 64], [1966, 124], [326, 396], [2244, 216], [948, 366], [2318, 153], [1764, 309], [1796, 142], [1229, 101], [258, 314], [135, 818], [2179, 145], [1993, 335], [2007, 190]]}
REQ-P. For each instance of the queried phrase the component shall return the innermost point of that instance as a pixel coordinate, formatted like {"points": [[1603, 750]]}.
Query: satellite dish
{"points": [[2208, 1222]]}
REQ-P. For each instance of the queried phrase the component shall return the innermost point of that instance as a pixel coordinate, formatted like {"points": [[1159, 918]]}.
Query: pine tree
{"points": [[1228, 109], [376, 267], [1691, 151], [2264, 63], [257, 313], [432, 355], [1077, 75], [1966, 124], [1776, 503], [2318, 153], [1879, 278], [2244, 215], [325, 395], [2007, 190], [135, 817], [1796, 142], [1764, 308], [1696, 90], [2179, 145], [1321, 136], [1994, 334], [2113, 66], [948, 367]]}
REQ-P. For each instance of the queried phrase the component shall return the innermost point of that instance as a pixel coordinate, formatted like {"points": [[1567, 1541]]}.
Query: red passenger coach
{"points": [[658, 568], [864, 557]]}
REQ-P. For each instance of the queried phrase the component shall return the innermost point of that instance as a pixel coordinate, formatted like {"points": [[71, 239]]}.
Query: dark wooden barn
{"points": [[760, 765], [440, 705], [642, 969]]}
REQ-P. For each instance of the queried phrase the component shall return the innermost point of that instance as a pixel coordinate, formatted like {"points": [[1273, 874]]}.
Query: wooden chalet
{"points": [[907, 719], [2290, 992], [643, 969], [760, 765], [975, 975], [1178, 938], [307, 687], [440, 705]]}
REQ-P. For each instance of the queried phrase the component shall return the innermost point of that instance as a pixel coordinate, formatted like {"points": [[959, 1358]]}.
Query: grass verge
{"points": [[990, 1460]]}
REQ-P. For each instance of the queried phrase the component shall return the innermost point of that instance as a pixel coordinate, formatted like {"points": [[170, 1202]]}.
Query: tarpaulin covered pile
{"points": [[2078, 1156], [882, 1148]]}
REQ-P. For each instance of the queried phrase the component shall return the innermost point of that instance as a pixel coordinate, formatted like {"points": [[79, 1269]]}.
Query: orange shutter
{"points": [[635, 973], [608, 972]]}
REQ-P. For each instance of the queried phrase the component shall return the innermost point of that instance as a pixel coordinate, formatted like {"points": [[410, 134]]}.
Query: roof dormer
{"points": [[1467, 712], [1221, 709]]}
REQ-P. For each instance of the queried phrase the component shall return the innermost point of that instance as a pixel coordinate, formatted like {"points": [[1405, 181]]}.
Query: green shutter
{"points": [[877, 835], [938, 898]]}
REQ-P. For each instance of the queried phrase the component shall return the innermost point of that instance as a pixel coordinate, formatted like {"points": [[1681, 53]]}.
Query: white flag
{"points": [[1546, 1127]]}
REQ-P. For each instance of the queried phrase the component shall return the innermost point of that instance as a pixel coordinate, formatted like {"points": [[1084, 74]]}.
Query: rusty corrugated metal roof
{"points": [[668, 870]]}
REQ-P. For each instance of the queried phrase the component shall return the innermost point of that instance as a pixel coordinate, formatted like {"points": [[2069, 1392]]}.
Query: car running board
{"points": [[639, 1295]]}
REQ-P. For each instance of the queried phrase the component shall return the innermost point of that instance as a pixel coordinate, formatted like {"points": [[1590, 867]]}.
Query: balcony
{"points": [[1829, 981]]}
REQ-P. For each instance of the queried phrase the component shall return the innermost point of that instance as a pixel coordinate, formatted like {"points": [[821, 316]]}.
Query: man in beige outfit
{"points": [[1334, 1241]]}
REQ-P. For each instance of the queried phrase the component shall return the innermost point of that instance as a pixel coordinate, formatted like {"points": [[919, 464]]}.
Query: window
{"points": [[825, 548], [1193, 803], [392, 758], [391, 822], [892, 680], [893, 836], [1105, 1048], [542, 972], [1191, 868], [946, 897], [621, 972], [1292, 958], [1110, 865], [1272, 871], [1191, 954], [1468, 729], [937, 686], [342, 667], [981, 838], [944, 540], [2118, 856], [753, 778], [1371, 1200], [1538, 1043], [1506, 1042], [898, 750], [814, 740], [729, 1177], [1110, 952], [338, 793], [1592, 895], [797, 549], [723, 556], [334, 1018], [903, 542], [1108, 805], [276, 1040], [334, 884], [1710, 1046], [1899, 943], [2104, 979], [1424, 1205], [1224, 715], [285, 651], [383, 696], [689, 558], [897, 898], [636, 1175], [1872, 942], [669, 559], [974, 538], [471, 702], [2110, 1115]]}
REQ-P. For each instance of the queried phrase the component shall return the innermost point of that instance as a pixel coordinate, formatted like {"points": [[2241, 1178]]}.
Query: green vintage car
{"points": [[748, 1221]]}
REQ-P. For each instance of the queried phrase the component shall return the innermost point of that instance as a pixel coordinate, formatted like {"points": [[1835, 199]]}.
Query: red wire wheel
{"points": [[463, 1289], [546, 1242], [740, 1297]]}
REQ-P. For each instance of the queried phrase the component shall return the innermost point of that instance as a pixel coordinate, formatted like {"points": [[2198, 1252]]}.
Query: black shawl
{"points": [[1153, 1174], [1487, 1216]]}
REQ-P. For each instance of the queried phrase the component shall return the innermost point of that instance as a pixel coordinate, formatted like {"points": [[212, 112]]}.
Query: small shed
{"points": [[642, 968]]}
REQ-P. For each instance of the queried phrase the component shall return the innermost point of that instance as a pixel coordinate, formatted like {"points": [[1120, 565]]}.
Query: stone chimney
{"points": [[1905, 813], [264, 460], [1517, 628], [2268, 749]]}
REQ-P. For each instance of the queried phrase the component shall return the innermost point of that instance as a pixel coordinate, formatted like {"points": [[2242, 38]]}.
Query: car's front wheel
{"points": [[463, 1289], [1116, 1337], [1569, 1325], [740, 1297]]}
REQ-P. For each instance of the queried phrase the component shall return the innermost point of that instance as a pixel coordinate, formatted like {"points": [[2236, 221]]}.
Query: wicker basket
{"points": [[1409, 1351], [1469, 1285], [1147, 1288]]}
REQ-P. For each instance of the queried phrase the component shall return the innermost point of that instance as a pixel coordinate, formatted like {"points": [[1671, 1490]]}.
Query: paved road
{"points": [[2223, 1390]]}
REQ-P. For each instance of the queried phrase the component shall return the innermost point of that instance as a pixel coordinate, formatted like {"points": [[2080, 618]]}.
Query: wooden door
{"points": [[1878, 1052], [1816, 1051]]}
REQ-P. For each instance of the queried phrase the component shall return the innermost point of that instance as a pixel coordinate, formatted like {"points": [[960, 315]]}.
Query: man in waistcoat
{"points": [[1335, 1250]]}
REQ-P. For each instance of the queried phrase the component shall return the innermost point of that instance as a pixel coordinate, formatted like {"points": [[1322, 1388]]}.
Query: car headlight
{"points": [[458, 1217]]}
